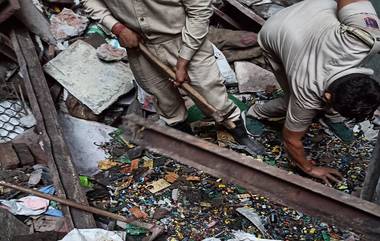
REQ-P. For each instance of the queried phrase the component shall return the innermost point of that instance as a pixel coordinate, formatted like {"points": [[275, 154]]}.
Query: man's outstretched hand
{"points": [[328, 175], [181, 71], [127, 37]]}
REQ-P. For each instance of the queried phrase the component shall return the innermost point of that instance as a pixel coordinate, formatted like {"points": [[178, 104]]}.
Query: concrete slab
{"points": [[95, 83], [252, 78]]}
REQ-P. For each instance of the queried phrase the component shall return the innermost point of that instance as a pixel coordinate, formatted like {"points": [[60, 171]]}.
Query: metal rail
{"points": [[294, 191]]}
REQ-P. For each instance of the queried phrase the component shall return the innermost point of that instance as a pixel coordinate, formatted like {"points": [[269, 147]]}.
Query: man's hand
{"points": [[127, 37], [295, 149], [181, 71], [328, 175]]}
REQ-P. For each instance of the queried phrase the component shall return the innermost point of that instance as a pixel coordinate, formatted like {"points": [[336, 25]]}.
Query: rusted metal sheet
{"points": [[60, 164], [8, 9], [294, 191]]}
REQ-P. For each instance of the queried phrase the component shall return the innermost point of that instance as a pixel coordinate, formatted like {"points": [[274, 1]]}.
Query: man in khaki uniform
{"points": [[175, 31], [317, 49]]}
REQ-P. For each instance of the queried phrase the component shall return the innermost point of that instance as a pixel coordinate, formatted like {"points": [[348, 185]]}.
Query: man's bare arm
{"points": [[342, 3], [294, 147]]}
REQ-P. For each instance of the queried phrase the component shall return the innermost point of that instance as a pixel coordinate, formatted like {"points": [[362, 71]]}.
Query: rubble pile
{"points": [[93, 89], [190, 204]]}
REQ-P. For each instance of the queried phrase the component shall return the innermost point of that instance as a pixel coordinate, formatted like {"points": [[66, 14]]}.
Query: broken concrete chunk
{"points": [[93, 82], [108, 53], [67, 24], [252, 78]]}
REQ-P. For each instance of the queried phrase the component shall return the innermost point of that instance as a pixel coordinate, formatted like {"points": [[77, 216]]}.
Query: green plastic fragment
{"points": [[85, 181], [195, 114], [242, 106], [241, 190], [134, 230], [325, 236], [118, 136], [270, 161], [124, 159], [95, 29]]}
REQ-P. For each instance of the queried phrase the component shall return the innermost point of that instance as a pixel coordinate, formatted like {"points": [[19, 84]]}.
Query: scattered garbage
{"points": [[225, 69], [96, 85], [92, 235], [27, 206], [241, 236], [252, 216], [67, 24]]}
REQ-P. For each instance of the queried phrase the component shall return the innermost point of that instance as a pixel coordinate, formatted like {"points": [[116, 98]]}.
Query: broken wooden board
{"points": [[9, 159], [245, 15], [24, 154], [61, 166], [219, 13], [11, 226]]}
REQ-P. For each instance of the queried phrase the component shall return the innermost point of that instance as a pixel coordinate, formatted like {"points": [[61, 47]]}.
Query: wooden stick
{"points": [[207, 108], [155, 229]]}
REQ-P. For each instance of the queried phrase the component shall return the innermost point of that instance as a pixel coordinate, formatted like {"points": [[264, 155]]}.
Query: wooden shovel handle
{"points": [[195, 95]]}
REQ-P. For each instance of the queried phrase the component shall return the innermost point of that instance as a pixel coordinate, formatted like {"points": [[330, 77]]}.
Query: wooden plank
{"points": [[9, 9], [8, 157], [227, 18], [247, 12], [63, 168], [6, 48], [11, 226], [24, 154]]}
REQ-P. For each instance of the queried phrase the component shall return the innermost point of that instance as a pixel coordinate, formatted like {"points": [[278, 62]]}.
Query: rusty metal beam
{"points": [[280, 186]]}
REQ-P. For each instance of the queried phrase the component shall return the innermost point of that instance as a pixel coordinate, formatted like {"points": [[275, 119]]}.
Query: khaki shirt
{"points": [[157, 20], [306, 41]]}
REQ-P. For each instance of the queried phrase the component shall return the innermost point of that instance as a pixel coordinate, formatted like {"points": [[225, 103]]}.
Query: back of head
{"points": [[355, 96]]}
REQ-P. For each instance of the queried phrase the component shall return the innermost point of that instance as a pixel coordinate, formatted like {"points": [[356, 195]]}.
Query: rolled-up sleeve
{"points": [[360, 14], [99, 12], [198, 14]]}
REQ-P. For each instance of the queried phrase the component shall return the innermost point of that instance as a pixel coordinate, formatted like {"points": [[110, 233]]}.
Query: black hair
{"points": [[355, 96]]}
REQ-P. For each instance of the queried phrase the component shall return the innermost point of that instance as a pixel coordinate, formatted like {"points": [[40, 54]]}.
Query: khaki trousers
{"points": [[203, 72]]}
